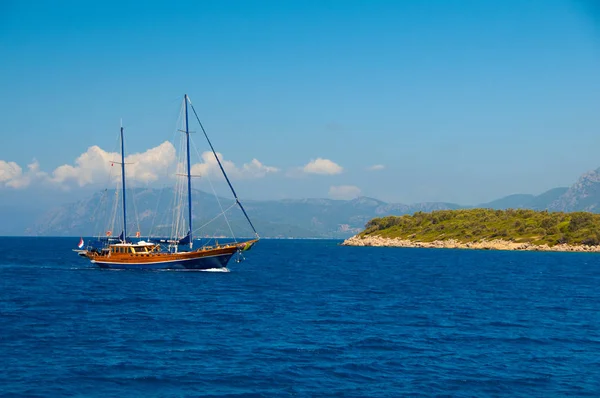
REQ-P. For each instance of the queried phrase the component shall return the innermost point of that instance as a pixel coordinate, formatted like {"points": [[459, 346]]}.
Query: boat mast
{"points": [[189, 172], [123, 178]]}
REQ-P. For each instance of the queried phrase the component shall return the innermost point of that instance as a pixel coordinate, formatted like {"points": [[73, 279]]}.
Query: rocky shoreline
{"points": [[496, 244]]}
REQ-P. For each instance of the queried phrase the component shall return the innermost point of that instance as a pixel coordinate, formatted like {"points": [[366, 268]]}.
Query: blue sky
{"points": [[461, 101]]}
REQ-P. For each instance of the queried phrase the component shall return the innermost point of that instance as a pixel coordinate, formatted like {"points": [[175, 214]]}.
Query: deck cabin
{"points": [[138, 248]]}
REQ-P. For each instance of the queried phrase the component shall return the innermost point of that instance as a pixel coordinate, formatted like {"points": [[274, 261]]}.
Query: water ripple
{"points": [[302, 319]]}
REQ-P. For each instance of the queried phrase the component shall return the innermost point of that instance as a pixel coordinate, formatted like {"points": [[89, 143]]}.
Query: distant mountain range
{"points": [[298, 218], [150, 209], [524, 201], [584, 195]]}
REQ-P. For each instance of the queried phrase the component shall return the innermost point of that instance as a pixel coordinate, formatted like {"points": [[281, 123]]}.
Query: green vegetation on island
{"points": [[476, 225]]}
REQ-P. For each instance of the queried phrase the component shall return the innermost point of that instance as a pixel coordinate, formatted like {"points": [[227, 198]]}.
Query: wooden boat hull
{"points": [[196, 260]]}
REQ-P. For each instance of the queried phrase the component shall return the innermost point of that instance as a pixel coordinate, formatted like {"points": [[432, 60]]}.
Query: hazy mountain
{"points": [[515, 201], [17, 218], [151, 212], [545, 200], [584, 195], [524, 201]]}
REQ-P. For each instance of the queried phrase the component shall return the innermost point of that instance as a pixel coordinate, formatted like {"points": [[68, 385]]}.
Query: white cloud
{"points": [[210, 167], [344, 191], [9, 171], [12, 175], [258, 169], [148, 166], [33, 173], [376, 167], [95, 165], [322, 166]]}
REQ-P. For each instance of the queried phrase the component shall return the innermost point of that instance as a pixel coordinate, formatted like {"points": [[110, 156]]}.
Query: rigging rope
{"points": [[218, 200], [111, 222], [103, 203], [137, 218], [135, 211], [96, 213], [151, 230], [217, 216], [222, 169], [164, 219]]}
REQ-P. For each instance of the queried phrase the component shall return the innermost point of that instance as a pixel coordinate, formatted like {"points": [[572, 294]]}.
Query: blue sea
{"points": [[301, 318]]}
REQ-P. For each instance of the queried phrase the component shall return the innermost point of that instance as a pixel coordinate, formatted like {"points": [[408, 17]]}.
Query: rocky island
{"points": [[512, 229]]}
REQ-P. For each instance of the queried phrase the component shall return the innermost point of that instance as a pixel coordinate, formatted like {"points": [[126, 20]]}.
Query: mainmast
{"points": [[123, 178], [189, 173]]}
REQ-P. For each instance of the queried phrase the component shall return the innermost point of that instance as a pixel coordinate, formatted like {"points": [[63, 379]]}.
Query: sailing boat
{"points": [[166, 253]]}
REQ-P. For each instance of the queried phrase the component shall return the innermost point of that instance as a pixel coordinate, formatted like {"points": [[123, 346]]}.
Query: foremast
{"points": [[124, 191]]}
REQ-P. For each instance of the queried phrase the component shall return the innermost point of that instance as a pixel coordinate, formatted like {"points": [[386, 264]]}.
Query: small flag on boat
{"points": [[80, 245]]}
